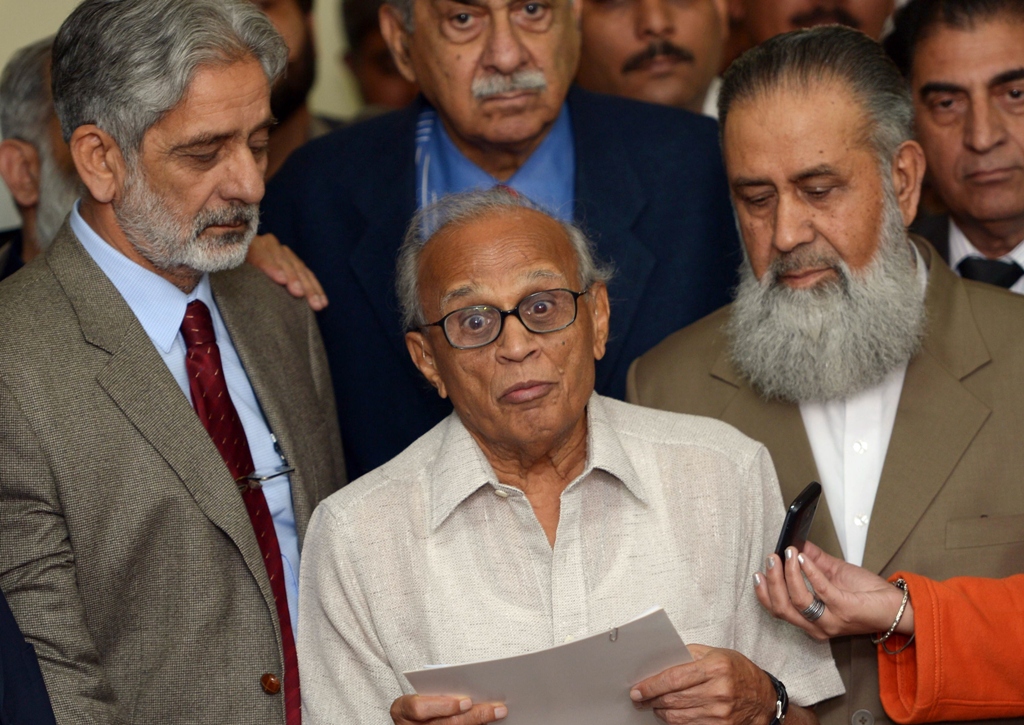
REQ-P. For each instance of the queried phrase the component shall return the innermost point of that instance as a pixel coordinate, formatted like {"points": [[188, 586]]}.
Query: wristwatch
{"points": [[781, 702]]}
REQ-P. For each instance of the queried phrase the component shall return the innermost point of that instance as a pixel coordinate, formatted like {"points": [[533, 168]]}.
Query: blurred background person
{"points": [[959, 644], [754, 21], [964, 60], [289, 98], [381, 86], [35, 163], [660, 51]]}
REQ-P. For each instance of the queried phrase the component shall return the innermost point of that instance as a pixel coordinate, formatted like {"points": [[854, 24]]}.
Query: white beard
{"points": [[832, 341], [169, 241]]}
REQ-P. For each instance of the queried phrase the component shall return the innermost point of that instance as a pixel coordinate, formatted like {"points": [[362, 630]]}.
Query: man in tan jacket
{"points": [[166, 418], [851, 350]]}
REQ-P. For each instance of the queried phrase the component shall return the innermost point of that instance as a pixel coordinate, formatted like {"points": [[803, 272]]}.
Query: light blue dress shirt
{"points": [[548, 178], [160, 309]]}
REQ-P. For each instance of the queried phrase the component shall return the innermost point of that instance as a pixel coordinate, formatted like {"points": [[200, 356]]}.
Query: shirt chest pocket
{"points": [[984, 531]]}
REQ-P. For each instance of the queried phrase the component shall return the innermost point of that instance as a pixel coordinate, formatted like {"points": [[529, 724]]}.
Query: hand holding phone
{"points": [[798, 519]]}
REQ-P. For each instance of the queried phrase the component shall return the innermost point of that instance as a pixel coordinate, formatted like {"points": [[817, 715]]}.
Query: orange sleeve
{"points": [[967, 661]]}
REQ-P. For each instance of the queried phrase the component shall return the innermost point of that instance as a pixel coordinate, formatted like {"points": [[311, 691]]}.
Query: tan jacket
{"points": [[126, 552], [951, 496]]}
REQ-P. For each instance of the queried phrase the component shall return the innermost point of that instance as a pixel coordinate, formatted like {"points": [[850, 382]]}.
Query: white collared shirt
{"points": [[160, 308], [960, 248], [849, 439], [430, 559]]}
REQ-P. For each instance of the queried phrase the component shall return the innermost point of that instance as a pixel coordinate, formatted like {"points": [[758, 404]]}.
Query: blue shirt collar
{"points": [[548, 178], [158, 304]]}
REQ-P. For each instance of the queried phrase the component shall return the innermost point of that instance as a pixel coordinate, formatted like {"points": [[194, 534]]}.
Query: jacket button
{"points": [[271, 684], [861, 717]]}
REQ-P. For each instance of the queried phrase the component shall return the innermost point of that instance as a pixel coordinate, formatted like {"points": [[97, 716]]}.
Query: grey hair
{"points": [[457, 210], [123, 64], [831, 53], [25, 102]]}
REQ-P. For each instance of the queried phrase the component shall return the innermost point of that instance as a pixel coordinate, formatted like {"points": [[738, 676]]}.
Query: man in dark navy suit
{"points": [[646, 183], [23, 698]]}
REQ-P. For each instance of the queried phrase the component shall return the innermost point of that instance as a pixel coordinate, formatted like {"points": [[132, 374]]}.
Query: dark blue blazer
{"points": [[650, 191], [23, 698]]}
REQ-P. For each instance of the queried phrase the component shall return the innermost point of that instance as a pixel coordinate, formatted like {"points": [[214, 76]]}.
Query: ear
{"points": [[908, 169], [600, 309], [422, 354], [19, 168], [99, 162], [392, 27]]}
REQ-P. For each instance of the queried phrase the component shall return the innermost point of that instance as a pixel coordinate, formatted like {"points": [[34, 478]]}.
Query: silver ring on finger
{"points": [[814, 610]]}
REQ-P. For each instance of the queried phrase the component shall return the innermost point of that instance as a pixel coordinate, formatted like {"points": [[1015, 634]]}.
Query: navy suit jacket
{"points": [[23, 698], [650, 191]]}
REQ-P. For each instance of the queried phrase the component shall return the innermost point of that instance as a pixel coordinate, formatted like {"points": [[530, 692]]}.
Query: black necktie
{"points": [[992, 271]]}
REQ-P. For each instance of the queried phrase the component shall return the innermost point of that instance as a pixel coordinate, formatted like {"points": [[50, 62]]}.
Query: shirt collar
{"points": [[158, 304], [960, 248], [543, 179], [461, 468]]}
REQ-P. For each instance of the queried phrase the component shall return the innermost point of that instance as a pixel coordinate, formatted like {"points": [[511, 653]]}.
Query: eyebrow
{"points": [[1007, 77], [743, 182], [940, 87], [816, 171], [471, 3], [467, 290], [213, 139]]}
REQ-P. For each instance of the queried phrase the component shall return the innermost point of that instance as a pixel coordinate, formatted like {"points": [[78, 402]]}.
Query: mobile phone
{"points": [[798, 519]]}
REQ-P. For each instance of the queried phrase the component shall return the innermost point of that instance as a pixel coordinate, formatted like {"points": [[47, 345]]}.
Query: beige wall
{"points": [[25, 21]]}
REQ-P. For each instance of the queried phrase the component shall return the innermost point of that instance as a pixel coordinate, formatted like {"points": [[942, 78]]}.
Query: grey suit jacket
{"points": [[951, 497], [125, 550]]}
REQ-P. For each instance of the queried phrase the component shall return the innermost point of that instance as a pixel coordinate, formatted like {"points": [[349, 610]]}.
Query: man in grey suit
{"points": [[852, 351], [151, 554]]}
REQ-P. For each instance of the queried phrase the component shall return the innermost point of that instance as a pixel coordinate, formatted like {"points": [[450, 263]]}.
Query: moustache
{"points": [[497, 84], [800, 259], [657, 49], [824, 16], [229, 216]]}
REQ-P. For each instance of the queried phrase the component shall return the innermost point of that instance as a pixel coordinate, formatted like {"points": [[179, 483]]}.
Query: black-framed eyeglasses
{"points": [[541, 312]]}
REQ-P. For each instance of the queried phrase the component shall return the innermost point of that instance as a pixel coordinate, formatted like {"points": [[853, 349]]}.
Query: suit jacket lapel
{"points": [[139, 383], [781, 428], [609, 199], [260, 350], [387, 203], [937, 417]]}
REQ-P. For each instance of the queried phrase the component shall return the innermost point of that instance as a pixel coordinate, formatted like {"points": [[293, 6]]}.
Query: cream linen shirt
{"points": [[431, 560]]}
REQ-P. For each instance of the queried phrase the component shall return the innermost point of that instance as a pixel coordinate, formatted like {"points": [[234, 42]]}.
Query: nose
{"points": [[504, 52], [984, 128], [243, 177], [653, 19], [793, 225], [515, 343]]}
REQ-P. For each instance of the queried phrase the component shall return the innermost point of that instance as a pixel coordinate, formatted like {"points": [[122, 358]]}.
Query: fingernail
{"points": [[800, 558], [500, 712], [635, 695], [757, 580], [789, 553], [465, 704], [769, 562]]}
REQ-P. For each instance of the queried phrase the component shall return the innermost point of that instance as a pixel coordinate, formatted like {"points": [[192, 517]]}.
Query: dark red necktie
{"points": [[213, 405]]}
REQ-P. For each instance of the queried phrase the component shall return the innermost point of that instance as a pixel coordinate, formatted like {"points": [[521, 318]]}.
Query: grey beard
{"points": [[58, 192], [496, 84], [159, 234], [831, 342]]}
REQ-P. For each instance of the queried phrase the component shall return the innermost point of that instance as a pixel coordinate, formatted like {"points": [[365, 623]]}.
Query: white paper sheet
{"points": [[585, 682]]}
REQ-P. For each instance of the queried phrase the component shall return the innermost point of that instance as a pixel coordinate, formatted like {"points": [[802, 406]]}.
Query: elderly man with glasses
{"points": [[540, 512]]}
